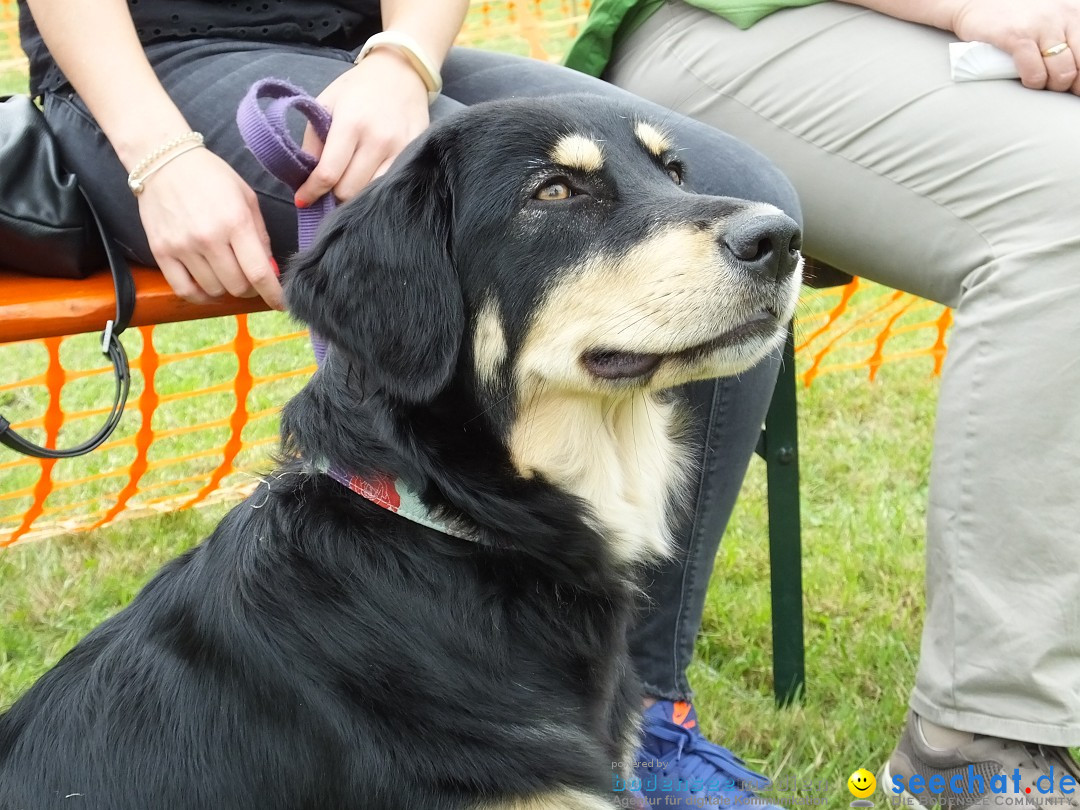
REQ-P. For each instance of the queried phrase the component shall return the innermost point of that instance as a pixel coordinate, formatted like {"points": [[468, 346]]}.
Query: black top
{"points": [[336, 23]]}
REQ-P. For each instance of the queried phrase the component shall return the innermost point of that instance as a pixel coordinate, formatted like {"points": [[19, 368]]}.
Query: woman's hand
{"points": [[1026, 29], [378, 107], [206, 232]]}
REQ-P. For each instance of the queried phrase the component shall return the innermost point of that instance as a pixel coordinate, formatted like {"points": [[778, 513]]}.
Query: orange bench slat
{"points": [[32, 307]]}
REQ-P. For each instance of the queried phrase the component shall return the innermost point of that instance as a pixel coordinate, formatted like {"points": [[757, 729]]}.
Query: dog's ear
{"points": [[380, 284]]}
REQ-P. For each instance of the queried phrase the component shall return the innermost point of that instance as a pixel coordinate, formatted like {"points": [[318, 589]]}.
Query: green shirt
{"points": [[612, 20]]}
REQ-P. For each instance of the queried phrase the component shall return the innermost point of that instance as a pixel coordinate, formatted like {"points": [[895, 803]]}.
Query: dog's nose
{"points": [[767, 244]]}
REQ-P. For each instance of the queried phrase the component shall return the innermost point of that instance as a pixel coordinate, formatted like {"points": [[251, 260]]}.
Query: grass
{"points": [[865, 451], [12, 82]]}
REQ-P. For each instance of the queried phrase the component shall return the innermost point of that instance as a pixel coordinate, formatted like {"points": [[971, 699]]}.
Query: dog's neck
{"points": [[619, 461], [619, 455]]}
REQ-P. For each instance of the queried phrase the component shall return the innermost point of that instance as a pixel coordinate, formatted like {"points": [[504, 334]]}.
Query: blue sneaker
{"points": [[676, 762]]}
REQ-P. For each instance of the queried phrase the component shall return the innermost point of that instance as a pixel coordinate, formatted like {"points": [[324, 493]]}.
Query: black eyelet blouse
{"points": [[335, 23]]}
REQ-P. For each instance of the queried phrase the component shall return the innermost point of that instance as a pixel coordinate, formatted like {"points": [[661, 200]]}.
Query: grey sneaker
{"points": [[986, 772]]}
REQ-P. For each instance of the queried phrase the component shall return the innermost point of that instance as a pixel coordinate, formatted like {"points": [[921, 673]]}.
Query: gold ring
{"points": [[1061, 47]]}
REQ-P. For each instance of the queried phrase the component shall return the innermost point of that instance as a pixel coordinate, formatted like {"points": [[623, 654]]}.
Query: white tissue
{"points": [[973, 61]]}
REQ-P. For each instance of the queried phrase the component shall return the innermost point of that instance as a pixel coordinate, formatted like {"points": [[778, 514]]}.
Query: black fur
{"points": [[320, 652]]}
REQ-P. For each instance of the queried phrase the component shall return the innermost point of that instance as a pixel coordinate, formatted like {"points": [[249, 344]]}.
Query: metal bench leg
{"points": [[781, 452]]}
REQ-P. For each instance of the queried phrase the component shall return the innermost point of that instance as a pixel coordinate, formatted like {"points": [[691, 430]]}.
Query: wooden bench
{"points": [[32, 307]]}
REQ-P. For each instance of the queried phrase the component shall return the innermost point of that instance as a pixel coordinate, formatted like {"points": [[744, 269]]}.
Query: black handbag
{"points": [[49, 228]]}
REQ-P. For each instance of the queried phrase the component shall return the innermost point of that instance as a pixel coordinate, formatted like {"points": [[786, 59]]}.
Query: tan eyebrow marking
{"points": [[578, 152], [653, 139]]}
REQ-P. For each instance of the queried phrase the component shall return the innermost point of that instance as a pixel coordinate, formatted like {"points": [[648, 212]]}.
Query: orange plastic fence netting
{"points": [[202, 417], [865, 326]]}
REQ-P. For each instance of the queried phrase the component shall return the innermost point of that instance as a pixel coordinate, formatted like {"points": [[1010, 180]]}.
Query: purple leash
{"points": [[266, 133]]}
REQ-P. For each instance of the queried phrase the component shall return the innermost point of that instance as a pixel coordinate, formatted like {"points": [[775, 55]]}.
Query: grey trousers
{"points": [[966, 194], [207, 79]]}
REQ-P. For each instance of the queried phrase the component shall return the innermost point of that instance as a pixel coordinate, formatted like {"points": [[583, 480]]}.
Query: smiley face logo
{"points": [[862, 783]]}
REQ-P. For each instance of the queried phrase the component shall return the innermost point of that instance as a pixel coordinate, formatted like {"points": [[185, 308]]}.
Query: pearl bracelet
{"points": [[152, 162], [411, 50]]}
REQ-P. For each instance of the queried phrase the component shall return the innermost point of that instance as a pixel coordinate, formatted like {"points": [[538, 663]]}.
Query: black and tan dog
{"points": [[505, 313]]}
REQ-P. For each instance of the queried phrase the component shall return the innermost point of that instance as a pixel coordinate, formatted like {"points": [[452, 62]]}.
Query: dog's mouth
{"points": [[611, 364]]}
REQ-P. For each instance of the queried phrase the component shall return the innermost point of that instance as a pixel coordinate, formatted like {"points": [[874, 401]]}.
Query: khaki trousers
{"points": [[968, 194]]}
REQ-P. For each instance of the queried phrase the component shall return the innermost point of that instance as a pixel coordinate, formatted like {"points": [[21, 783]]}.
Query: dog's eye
{"points": [[555, 190], [674, 171]]}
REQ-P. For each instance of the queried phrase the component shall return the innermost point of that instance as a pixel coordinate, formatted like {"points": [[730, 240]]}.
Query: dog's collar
{"points": [[395, 496]]}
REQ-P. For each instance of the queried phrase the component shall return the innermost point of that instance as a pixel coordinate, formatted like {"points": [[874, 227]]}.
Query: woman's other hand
{"points": [[206, 232], [1030, 31]]}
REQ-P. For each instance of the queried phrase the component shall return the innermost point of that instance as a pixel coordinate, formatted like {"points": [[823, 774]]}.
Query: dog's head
{"points": [[557, 241], [549, 258]]}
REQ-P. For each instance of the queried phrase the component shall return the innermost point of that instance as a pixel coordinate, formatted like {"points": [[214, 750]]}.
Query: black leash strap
{"points": [[124, 284]]}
